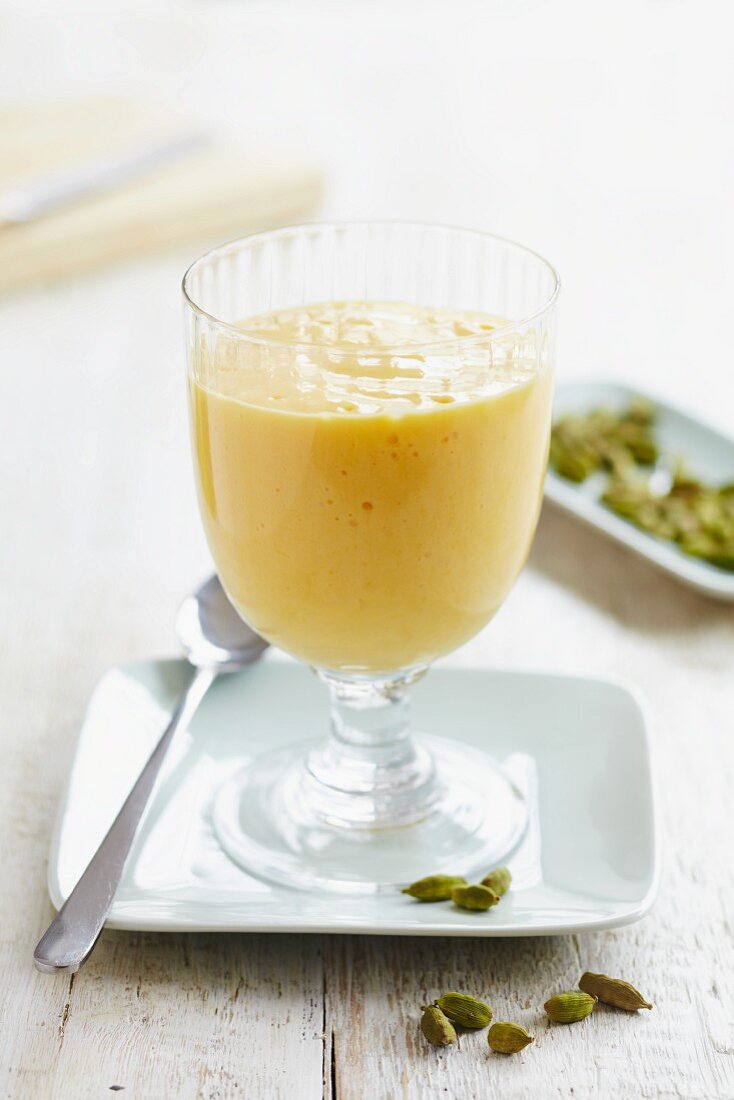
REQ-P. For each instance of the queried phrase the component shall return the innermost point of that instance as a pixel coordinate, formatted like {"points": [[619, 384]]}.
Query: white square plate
{"points": [[578, 748], [708, 453]]}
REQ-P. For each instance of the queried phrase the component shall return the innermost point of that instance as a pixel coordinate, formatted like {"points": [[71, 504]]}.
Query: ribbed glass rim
{"points": [[454, 341]]}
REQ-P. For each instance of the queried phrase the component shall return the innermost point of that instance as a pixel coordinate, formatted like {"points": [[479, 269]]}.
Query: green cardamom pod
{"points": [[569, 1008], [643, 450], [465, 1011], [613, 991], [724, 559], [434, 887], [436, 1027], [572, 467], [508, 1038], [498, 881], [474, 897], [641, 411]]}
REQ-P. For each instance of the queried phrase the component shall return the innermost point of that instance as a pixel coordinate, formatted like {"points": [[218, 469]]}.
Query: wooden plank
{"points": [[195, 1016], [208, 196]]}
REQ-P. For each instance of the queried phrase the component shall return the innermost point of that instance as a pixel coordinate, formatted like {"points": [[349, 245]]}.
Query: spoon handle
{"points": [[69, 939]]}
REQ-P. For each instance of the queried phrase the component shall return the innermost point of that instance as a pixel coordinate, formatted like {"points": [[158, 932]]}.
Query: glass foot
{"points": [[279, 819]]}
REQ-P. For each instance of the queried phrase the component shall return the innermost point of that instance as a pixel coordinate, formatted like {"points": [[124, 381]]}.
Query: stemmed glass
{"points": [[368, 507]]}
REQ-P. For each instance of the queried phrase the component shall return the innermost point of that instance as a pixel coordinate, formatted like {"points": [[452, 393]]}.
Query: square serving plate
{"points": [[708, 453], [579, 749]]}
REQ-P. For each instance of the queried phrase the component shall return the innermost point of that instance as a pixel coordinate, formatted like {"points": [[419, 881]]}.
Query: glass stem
{"points": [[371, 773]]}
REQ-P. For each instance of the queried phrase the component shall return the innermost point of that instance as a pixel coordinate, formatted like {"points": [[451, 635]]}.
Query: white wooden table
{"points": [[608, 146]]}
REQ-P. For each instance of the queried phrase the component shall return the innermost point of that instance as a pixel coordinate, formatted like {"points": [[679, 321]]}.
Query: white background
{"points": [[600, 134]]}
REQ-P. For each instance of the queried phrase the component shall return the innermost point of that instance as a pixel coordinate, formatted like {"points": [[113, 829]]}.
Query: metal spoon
{"points": [[215, 640]]}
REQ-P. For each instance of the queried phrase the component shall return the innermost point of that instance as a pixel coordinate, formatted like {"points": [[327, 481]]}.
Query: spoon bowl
{"points": [[212, 633]]}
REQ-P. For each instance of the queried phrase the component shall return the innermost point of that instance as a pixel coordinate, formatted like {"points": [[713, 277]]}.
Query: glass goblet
{"points": [[370, 408]]}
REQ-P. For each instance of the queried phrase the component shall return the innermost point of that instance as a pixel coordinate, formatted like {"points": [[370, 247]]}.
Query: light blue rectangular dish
{"points": [[579, 750], [708, 454]]}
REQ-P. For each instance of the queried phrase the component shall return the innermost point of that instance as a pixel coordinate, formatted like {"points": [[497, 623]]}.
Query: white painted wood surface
{"points": [[606, 142]]}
